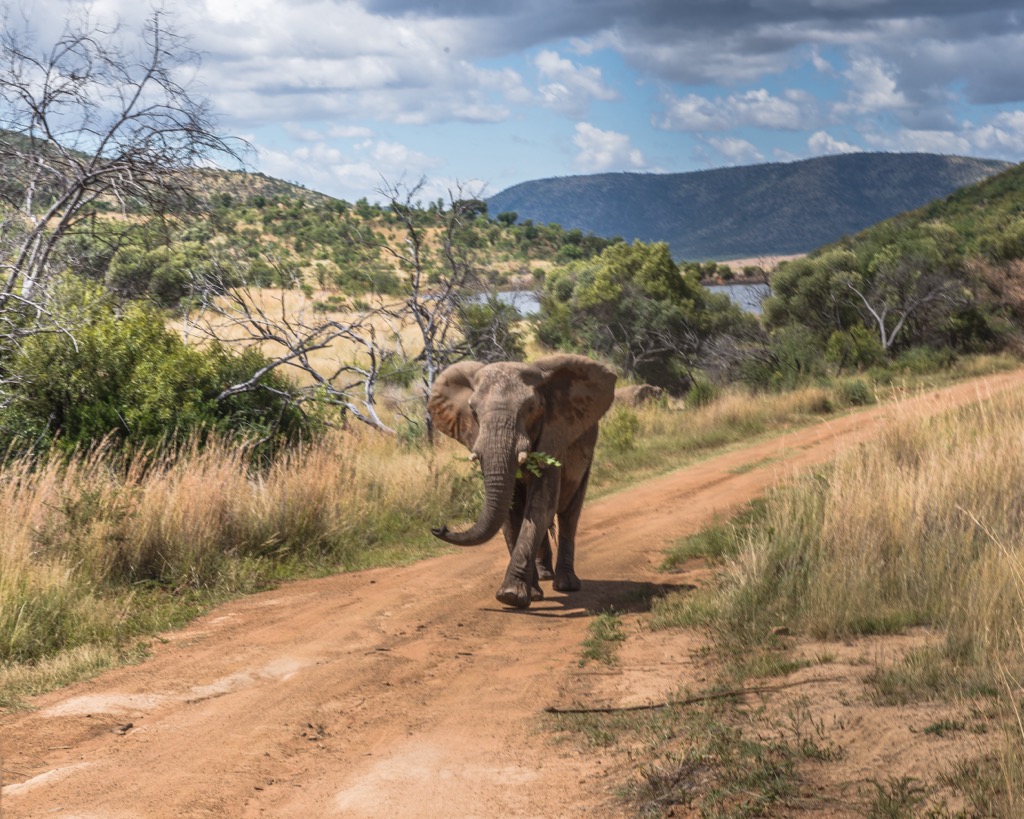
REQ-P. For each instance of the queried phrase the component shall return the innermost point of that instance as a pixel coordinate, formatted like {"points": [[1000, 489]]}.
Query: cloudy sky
{"points": [[340, 94]]}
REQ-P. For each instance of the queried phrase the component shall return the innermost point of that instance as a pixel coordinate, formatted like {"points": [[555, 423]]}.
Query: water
{"points": [[747, 296], [525, 301]]}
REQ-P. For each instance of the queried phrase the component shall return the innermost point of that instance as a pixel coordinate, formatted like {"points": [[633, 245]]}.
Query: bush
{"points": [[124, 374], [702, 393], [489, 328], [857, 347], [620, 429], [924, 360], [855, 393]]}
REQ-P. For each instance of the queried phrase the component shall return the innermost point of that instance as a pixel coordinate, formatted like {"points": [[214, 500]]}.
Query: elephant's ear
{"points": [[577, 392], [448, 404]]}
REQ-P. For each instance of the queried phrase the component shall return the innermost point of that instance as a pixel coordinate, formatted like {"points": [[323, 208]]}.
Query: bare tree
{"points": [[225, 311], [440, 268], [441, 272], [435, 258], [905, 287], [94, 120]]}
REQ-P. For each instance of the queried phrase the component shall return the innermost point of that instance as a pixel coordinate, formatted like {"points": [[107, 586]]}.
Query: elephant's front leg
{"points": [[511, 529], [565, 568], [520, 582]]}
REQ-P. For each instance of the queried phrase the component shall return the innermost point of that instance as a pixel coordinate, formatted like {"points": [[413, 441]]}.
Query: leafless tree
{"points": [[436, 262], [905, 287], [98, 119], [223, 310], [437, 259], [440, 268]]}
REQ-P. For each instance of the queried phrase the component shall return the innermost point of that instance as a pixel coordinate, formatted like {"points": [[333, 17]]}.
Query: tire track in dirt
{"points": [[398, 692]]}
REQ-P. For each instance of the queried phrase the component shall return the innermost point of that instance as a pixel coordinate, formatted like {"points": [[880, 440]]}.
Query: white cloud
{"points": [[761, 109], [569, 88], [693, 113], [756, 108], [821, 142], [1002, 137], [349, 132], [604, 150], [821, 65], [872, 88], [736, 151], [349, 173]]}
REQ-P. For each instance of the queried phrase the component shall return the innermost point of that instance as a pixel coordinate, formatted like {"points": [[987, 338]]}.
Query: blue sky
{"points": [[343, 95]]}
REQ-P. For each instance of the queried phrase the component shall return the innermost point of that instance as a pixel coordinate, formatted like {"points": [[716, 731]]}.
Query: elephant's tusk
{"points": [[522, 457], [473, 457]]}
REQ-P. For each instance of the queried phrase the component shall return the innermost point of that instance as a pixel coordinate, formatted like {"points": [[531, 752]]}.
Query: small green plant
{"points": [[943, 727], [855, 393], [605, 635], [621, 429], [897, 799], [701, 394]]}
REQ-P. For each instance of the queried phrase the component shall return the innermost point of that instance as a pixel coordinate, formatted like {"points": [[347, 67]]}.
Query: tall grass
{"points": [[925, 526], [639, 443], [922, 527], [100, 547]]}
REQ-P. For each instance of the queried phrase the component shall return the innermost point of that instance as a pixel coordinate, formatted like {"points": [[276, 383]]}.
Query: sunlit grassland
{"points": [[923, 527], [298, 307], [102, 549]]}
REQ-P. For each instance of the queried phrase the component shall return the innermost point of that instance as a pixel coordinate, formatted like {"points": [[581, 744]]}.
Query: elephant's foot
{"points": [[516, 593], [567, 582], [544, 571], [536, 592]]}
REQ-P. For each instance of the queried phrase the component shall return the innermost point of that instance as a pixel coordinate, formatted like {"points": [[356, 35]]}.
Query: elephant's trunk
{"points": [[499, 464]]}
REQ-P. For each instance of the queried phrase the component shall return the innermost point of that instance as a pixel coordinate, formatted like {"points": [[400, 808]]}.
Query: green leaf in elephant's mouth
{"points": [[535, 462]]}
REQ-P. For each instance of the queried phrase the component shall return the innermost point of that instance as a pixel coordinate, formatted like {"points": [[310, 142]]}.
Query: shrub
{"points": [[857, 347], [123, 373], [620, 429], [855, 393], [924, 360], [702, 392]]}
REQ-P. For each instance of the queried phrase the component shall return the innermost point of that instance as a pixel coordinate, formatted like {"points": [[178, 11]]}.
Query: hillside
{"points": [[987, 219], [727, 213]]}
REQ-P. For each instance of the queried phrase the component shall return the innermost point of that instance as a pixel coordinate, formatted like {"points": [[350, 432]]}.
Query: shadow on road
{"points": [[596, 596]]}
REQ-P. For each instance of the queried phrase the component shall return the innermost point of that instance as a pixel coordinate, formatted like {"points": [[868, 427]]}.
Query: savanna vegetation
{"points": [[211, 381], [917, 532]]}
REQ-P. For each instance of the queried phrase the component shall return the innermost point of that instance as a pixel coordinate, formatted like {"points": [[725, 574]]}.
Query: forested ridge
{"points": [[728, 213]]}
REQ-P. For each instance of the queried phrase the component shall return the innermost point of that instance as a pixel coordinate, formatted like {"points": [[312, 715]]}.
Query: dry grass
{"points": [[922, 527], [310, 308], [101, 548], [637, 444]]}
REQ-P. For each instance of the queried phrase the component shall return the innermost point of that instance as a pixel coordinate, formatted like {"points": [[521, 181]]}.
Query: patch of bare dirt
{"points": [[410, 692]]}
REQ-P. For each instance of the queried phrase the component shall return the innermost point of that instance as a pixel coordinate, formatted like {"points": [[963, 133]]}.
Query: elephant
{"points": [[636, 395], [504, 411]]}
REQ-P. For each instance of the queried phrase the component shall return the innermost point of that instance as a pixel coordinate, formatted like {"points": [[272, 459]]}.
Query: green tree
{"points": [[119, 371], [489, 328], [812, 292], [632, 305], [163, 274]]}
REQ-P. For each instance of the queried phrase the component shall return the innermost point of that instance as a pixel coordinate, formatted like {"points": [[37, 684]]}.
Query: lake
{"points": [[747, 296]]}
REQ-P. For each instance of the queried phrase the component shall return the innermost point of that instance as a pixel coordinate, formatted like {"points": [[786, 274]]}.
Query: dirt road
{"points": [[393, 693]]}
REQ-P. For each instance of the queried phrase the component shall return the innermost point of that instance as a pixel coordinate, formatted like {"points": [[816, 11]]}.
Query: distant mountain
{"points": [[757, 210]]}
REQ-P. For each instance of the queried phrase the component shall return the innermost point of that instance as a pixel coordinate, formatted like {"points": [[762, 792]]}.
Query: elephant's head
{"points": [[503, 411]]}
